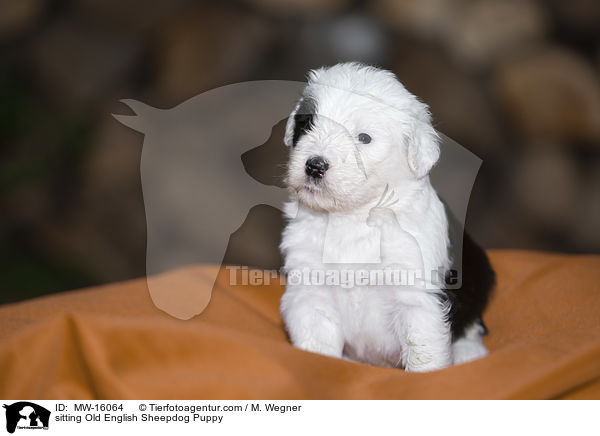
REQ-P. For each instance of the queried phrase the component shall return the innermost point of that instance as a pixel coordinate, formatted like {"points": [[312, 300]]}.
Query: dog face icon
{"points": [[26, 414]]}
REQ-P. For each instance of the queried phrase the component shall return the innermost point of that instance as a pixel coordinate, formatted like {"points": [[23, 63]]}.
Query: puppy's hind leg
{"points": [[312, 321], [470, 346]]}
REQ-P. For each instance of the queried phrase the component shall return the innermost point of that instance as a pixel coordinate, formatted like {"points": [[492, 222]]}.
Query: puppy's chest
{"points": [[348, 239], [335, 239]]}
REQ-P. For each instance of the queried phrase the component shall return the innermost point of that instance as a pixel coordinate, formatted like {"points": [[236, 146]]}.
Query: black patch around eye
{"points": [[302, 124], [303, 119], [364, 138]]}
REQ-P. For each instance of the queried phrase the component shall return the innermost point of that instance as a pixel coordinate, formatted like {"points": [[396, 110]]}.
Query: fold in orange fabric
{"points": [[111, 342]]}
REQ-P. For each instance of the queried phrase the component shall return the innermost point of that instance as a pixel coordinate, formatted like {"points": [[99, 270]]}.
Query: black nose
{"points": [[316, 167]]}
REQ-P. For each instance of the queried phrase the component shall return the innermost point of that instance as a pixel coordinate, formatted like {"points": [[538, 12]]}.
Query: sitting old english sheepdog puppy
{"points": [[362, 147]]}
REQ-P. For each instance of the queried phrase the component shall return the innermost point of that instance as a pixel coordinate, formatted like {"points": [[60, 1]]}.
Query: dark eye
{"points": [[364, 138]]}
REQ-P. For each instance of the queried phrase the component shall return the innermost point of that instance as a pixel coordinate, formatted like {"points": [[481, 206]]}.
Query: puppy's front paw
{"points": [[427, 367], [313, 325], [422, 358]]}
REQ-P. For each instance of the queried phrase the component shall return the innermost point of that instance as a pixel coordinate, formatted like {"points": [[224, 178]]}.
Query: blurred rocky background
{"points": [[515, 81]]}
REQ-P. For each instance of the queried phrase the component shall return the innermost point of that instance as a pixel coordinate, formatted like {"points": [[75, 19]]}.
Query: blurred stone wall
{"points": [[515, 81]]}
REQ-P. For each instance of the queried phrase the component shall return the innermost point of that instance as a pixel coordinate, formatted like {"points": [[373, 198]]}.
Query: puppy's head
{"points": [[355, 130]]}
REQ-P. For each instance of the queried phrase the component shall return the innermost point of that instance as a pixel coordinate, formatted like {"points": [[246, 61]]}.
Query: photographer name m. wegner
{"points": [[345, 277]]}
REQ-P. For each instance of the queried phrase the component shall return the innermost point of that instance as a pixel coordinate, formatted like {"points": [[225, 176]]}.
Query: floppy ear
{"points": [[423, 148]]}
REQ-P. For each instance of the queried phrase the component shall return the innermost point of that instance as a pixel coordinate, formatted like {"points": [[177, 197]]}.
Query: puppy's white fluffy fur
{"points": [[342, 214]]}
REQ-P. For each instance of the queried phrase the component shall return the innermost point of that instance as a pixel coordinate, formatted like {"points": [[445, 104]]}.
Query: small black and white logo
{"points": [[26, 415]]}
